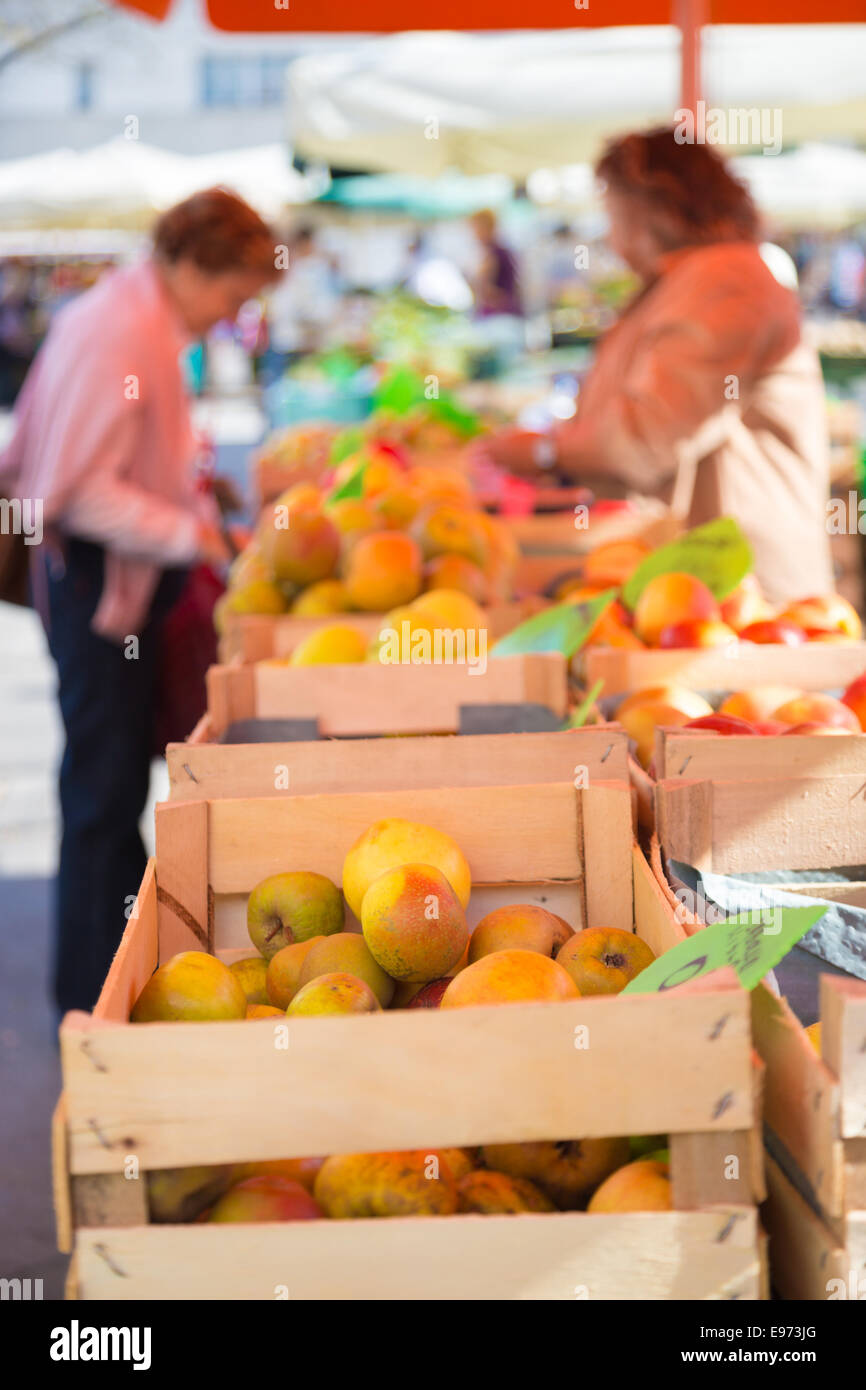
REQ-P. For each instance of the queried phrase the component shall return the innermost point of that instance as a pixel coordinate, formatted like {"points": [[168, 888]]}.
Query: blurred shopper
{"points": [[703, 392], [496, 286], [104, 439], [301, 307]]}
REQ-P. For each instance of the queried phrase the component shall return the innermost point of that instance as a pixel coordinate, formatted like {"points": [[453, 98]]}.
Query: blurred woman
{"points": [[103, 439], [704, 392]]}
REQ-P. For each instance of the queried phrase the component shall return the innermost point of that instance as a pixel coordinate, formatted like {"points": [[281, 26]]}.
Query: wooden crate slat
{"points": [[636, 1256], [164, 1092], [804, 1253], [653, 915], [747, 826], [607, 855], [518, 834], [801, 1098], [231, 694], [368, 698], [843, 1045], [742, 758], [808, 667], [329, 765], [137, 955], [182, 882], [60, 1184]]}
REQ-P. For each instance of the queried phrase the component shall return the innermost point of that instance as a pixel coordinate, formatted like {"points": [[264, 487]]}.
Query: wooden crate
{"points": [[744, 825], [202, 769], [811, 666], [678, 1063], [791, 803], [815, 1111], [370, 698], [557, 534], [252, 637]]}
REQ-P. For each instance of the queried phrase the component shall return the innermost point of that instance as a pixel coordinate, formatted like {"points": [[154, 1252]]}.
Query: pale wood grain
{"points": [[137, 955], [567, 1256], [655, 917], [508, 835], [843, 1045], [183, 1094], [801, 1097], [182, 877], [346, 765], [693, 754], [804, 1253]]}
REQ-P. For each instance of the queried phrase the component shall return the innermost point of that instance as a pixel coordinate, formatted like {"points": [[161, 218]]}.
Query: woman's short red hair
{"points": [[690, 195], [218, 232]]}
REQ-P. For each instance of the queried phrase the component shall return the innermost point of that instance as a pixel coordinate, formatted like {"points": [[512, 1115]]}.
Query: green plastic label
{"points": [[718, 554], [751, 942], [563, 628]]}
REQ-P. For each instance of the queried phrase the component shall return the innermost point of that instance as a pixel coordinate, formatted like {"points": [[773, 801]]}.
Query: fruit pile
{"points": [[409, 886], [374, 539], [764, 709], [677, 610], [596, 1175]]}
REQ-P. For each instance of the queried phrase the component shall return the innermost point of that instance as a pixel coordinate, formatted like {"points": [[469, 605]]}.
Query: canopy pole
{"points": [[690, 16]]}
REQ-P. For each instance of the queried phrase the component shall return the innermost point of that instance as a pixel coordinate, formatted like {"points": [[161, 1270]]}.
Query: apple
{"points": [[291, 907], [603, 960], [758, 702], [721, 724], [774, 632], [429, 996], [829, 612], [818, 709], [697, 632], [266, 1198], [855, 699], [745, 604]]}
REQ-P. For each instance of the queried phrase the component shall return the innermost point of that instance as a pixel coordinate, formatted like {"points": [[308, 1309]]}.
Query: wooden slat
{"points": [[730, 759], [508, 835], [843, 1045], [231, 694], [329, 765], [684, 821], [367, 698], [60, 1184], [182, 879], [708, 1169], [747, 826], [227, 1092], [136, 957], [637, 1256], [654, 916], [809, 667], [804, 1253], [607, 841], [801, 1098]]}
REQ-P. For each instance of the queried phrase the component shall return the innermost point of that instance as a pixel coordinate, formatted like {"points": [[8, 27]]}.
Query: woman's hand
{"points": [[516, 451]]}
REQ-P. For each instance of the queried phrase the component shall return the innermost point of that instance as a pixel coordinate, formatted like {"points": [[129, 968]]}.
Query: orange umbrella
{"points": [[389, 16]]}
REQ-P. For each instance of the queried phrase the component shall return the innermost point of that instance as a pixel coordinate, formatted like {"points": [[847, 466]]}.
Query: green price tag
{"points": [[751, 942], [563, 628], [718, 554]]}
